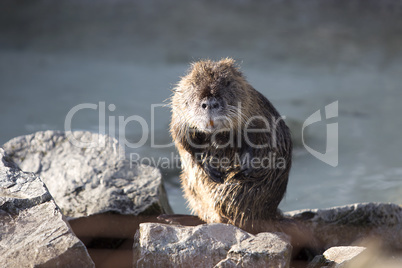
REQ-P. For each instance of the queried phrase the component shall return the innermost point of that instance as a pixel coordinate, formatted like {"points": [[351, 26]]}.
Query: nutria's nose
{"points": [[210, 104]]}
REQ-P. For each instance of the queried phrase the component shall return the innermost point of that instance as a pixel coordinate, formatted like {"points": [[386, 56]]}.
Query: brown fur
{"points": [[233, 192]]}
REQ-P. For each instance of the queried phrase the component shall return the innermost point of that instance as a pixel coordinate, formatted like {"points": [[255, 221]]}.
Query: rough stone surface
{"points": [[86, 174], [336, 257], [208, 245], [342, 226], [33, 232], [341, 255], [262, 250], [374, 257]]}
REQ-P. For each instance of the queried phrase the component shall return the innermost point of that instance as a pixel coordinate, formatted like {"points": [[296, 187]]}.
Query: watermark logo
{"points": [[331, 152], [115, 127], [118, 124]]}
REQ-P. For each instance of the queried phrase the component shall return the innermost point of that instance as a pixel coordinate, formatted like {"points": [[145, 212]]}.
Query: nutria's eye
{"points": [[228, 83]]}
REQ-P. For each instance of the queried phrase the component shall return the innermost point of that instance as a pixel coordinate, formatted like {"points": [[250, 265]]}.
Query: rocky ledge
{"points": [[113, 208], [342, 226], [33, 231], [208, 245]]}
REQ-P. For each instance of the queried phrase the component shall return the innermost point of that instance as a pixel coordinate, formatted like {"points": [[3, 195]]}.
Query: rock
{"points": [[86, 174], [33, 230], [340, 255], [161, 245], [336, 257], [207, 245], [262, 250], [342, 226], [374, 257]]}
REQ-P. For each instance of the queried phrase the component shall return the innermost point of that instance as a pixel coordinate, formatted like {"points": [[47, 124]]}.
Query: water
{"points": [[54, 56]]}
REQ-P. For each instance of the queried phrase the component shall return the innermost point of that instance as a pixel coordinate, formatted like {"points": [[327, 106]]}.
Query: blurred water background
{"points": [[302, 55]]}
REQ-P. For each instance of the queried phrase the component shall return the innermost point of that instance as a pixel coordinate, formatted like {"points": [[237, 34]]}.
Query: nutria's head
{"points": [[211, 97]]}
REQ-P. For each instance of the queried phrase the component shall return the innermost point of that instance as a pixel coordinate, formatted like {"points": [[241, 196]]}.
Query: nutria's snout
{"points": [[211, 104], [212, 114]]}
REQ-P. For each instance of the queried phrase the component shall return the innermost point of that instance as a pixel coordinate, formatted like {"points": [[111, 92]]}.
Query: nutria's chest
{"points": [[216, 158]]}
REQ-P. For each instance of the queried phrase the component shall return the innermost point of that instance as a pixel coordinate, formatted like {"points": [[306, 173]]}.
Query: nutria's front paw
{"points": [[214, 174], [246, 170], [246, 167]]}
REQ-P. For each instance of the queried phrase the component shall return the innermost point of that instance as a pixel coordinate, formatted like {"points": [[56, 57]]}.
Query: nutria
{"points": [[234, 146]]}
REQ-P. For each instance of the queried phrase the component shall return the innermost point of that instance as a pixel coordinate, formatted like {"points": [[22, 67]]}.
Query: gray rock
{"points": [[33, 230], [262, 250], [161, 245], [86, 174], [374, 257], [342, 226], [207, 245], [341, 255], [336, 257]]}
